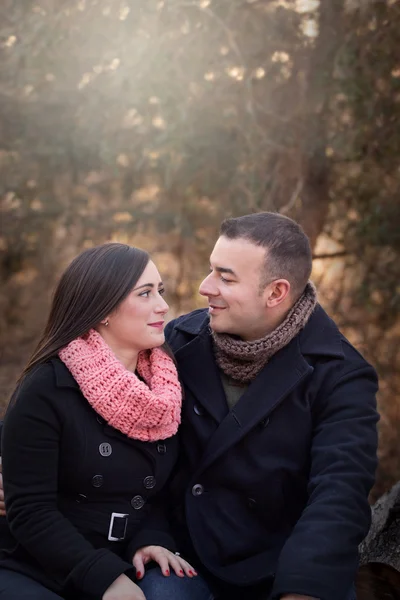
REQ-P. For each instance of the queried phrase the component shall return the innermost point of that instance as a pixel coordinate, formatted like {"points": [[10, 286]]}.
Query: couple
{"points": [[261, 492]]}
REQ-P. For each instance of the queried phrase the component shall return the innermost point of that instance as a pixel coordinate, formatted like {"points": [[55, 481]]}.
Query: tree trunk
{"points": [[379, 574], [312, 191]]}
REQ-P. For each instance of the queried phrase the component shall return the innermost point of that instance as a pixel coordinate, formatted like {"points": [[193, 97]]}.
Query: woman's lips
{"points": [[158, 325]]}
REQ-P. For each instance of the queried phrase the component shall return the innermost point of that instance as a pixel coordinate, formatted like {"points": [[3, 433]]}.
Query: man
{"points": [[278, 426], [270, 499]]}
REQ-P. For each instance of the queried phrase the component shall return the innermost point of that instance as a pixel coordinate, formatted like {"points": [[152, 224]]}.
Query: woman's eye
{"points": [[161, 291], [145, 294]]}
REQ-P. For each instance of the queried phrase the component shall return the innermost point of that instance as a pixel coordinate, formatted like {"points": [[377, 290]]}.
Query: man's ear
{"points": [[276, 292]]}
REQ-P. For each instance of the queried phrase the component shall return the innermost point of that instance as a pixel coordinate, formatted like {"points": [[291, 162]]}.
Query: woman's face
{"points": [[138, 322]]}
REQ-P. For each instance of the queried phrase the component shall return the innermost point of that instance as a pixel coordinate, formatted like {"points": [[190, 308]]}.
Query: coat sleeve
{"points": [[30, 448], [169, 333], [320, 558]]}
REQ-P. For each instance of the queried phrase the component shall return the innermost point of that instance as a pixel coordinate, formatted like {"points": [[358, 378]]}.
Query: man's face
{"points": [[237, 304]]}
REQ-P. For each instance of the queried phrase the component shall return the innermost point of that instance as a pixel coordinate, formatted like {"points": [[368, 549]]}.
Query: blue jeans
{"points": [[156, 586], [15, 586]]}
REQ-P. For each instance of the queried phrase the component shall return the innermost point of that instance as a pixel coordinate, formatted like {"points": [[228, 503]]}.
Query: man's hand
{"points": [[123, 589], [164, 558], [2, 505]]}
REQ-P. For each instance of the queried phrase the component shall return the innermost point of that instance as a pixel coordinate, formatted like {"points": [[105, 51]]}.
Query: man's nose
{"points": [[207, 286]]}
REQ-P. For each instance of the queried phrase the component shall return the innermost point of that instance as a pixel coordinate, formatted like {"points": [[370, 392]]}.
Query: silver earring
{"points": [[106, 323]]}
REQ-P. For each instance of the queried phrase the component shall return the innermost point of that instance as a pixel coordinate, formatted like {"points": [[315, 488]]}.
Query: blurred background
{"points": [[149, 121]]}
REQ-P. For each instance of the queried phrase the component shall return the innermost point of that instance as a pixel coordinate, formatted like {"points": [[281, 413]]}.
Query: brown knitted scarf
{"points": [[242, 361]]}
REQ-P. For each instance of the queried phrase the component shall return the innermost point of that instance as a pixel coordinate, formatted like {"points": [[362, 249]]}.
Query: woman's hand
{"points": [[164, 558], [123, 589]]}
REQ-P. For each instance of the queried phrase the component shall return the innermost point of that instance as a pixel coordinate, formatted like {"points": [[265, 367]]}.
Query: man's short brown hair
{"points": [[288, 250]]}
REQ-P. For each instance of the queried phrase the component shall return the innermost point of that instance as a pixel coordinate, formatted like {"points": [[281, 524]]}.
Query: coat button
{"points": [[199, 410], [137, 502], [149, 482], [161, 448], [264, 423], [81, 498], [97, 481], [100, 420], [197, 489], [105, 449]]}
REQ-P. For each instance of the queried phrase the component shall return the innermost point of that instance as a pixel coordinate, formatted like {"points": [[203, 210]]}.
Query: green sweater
{"points": [[233, 390]]}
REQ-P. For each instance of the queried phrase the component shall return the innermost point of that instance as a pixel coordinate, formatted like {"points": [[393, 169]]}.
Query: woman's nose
{"points": [[162, 306]]}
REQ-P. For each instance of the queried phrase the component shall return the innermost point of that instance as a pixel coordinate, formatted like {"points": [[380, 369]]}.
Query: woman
{"points": [[89, 437]]}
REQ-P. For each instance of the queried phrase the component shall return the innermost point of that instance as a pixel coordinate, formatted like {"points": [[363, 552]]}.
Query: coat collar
{"points": [[283, 373], [62, 375], [199, 373]]}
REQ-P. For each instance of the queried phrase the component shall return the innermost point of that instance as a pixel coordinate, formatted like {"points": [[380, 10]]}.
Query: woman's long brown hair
{"points": [[91, 288]]}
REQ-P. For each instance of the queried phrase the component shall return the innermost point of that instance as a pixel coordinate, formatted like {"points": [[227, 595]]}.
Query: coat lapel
{"points": [[278, 378], [199, 373]]}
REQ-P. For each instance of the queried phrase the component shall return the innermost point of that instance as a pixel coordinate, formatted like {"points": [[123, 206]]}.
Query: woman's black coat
{"points": [[65, 473]]}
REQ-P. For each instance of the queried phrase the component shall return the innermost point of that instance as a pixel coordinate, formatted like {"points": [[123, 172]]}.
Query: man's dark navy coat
{"points": [[277, 488]]}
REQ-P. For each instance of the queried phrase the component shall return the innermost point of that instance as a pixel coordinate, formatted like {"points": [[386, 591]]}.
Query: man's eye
{"points": [[225, 280]]}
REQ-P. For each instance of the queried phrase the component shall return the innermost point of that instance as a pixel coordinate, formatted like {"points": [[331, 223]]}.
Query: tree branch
{"points": [[330, 255]]}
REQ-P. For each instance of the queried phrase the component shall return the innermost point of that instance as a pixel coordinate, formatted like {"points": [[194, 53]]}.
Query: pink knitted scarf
{"points": [[148, 411]]}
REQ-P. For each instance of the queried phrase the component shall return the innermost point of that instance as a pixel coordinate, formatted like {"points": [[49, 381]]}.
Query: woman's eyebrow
{"points": [[151, 285], [143, 286]]}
